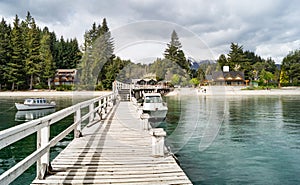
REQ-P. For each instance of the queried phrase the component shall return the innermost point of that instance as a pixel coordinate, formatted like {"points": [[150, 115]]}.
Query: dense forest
{"points": [[99, 66], [29, 57]]}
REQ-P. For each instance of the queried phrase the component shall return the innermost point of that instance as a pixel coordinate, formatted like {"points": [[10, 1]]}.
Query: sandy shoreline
{"points": [[233, 91], [210, 91], [52, 93]]}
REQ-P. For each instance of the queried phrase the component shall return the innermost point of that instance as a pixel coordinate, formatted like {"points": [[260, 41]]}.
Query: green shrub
{"points": [[255, 88], [64, 87], [39, 86]]}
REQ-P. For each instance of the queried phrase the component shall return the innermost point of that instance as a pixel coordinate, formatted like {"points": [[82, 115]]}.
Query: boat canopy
{"points": [[35, 101]]}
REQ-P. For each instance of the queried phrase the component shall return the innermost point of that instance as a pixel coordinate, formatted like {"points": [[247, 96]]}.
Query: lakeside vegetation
{"points": [[263, 71], [29, 57]]}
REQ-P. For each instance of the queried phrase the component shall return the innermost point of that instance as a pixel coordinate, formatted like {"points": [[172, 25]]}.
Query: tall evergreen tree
{"points": [[103, 56], [5, 51], [174, 53], [90, 36], [15, 67], [47, 63], [53, 45], [60, 47], [73, 54], [104, 28], [33, 60], [97, 57], [68, 53], [236, 57]]}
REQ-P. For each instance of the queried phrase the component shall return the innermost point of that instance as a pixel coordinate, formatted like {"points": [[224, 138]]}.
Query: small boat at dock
{"points": [[154, 106], [35, 104]]}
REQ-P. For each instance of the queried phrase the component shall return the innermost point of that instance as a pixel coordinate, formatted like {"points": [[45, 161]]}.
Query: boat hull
{"points": [[21, 106], [157, 114]]}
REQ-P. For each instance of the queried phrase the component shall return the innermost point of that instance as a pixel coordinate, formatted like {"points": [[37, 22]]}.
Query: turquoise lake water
{"points": [[217, 140]]}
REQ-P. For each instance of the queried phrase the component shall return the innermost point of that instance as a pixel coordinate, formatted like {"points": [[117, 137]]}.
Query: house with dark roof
{"points": [[231, 78], [65, 77]]}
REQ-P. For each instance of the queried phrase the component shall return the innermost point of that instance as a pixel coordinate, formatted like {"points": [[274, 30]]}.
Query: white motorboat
{"points": [[154, 106], [35, 104]]}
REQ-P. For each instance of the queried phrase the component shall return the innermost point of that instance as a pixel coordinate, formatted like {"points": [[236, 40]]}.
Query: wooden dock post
{"points": [[43, 136], [100, 109], [158, 142], [145, 121], [77, 119], [91, 111], [105, 104]]}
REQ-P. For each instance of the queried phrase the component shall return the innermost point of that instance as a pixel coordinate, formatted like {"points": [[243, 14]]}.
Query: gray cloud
{"points": [[267, 27]]}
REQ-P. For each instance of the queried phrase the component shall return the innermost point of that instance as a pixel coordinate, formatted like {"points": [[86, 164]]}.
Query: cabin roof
{"points": [[231, 75], [66, 70]]}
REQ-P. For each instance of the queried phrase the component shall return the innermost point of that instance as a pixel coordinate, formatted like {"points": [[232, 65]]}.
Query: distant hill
{"points": [[195, 64], [278, 66]]}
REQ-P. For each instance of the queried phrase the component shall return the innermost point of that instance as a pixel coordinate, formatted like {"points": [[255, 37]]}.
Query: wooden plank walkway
{"points": [[114, 151]]}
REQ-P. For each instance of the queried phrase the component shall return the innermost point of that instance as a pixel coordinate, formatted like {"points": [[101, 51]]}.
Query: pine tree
{"points": [[236, 57], [53, 45], [175, 54], [104, 28], [33, 65], [90, 36], [73, 54], [15, 67], [47, 63], [173, 47], [5, 51], [98, 56]]}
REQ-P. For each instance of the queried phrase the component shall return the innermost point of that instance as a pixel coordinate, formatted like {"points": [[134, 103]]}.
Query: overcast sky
{"points": [[141, 29]]}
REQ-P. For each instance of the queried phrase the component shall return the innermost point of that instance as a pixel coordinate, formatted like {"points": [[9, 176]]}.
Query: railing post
{"points": [[105, 104], [114, 98], [158, 142], [77, 119], [91, 111], [42, 140], [100, 109], [130, 97], [145, 121]]}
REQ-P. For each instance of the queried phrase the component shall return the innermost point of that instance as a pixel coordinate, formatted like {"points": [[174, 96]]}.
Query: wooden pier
{"points": [[115, 147], [116, 150]]}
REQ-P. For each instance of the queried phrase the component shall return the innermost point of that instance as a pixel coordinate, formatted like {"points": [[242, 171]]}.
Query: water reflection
{"points": [[32, 114], [258, 141]]}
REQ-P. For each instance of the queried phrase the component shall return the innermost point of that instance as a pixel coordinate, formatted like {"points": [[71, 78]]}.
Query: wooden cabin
{"points": [[231, 78], [65, 77]]}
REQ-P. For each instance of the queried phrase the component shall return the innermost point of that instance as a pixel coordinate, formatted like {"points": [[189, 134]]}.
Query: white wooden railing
{"points": [[41, 126], [120, 85]]}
